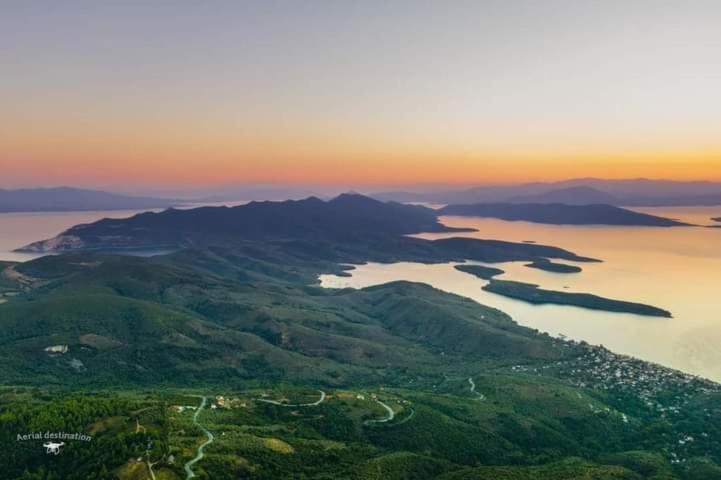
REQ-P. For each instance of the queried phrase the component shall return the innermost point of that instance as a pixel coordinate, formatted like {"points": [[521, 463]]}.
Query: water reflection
{"points": [[678, 269]]}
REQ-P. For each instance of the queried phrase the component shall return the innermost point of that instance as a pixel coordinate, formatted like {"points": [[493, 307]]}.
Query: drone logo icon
{"points": [[53, 447]]}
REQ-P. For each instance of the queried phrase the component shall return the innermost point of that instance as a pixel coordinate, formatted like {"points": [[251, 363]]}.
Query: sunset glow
{"points": [[126, 94]]}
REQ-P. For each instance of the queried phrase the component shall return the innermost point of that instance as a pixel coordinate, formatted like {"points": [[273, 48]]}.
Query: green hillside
{"points": [[142, 320], [473, 394], [230, 354]]}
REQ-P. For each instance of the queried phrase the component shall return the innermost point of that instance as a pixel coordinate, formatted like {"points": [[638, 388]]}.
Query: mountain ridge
{"points": [[561, 214], [61, 199], [627, 192]]}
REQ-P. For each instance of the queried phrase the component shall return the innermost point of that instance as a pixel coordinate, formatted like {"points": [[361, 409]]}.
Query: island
{"points": [[560, 214], [480, 271], [554, 267], [531, 293]]}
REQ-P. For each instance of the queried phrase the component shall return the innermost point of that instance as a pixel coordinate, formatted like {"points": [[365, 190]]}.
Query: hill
{"points": [[393, 381], [316, 233], [121, 348], [73, 199], [141, 320], [560, 214], [346, 217]]}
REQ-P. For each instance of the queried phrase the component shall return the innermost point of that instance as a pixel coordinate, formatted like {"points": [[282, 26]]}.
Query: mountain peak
{"points": [[346, 216]]}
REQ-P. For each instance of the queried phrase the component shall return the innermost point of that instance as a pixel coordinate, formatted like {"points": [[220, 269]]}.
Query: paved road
{"points": [[473, 389], [200, 454], [391, 415]]}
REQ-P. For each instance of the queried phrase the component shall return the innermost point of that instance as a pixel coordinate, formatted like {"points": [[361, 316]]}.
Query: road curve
{"points": [[391, 415], [200, 454], [473, 389]]}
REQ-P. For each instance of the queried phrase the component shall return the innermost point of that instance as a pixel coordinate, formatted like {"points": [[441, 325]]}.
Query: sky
{"points": [[147, 93]]}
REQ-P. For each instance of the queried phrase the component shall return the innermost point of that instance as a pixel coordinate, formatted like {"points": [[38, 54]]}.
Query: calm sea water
{"points": [[678, 269], [20, 229]]}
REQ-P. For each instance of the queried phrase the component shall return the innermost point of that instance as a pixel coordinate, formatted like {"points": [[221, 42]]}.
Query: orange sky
{"points": [[126, 94], [183, 154]]}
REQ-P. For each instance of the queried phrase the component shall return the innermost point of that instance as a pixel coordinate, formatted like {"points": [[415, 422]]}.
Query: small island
{"points": [[554, 267], [716, 219], [530, 293], [486, 273]]}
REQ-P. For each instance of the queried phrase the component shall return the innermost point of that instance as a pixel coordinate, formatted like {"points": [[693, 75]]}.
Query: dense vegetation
{"points": [[480, 271], [509, 426], [145, 320], [396, 381], [531, 293], [553, 267]]}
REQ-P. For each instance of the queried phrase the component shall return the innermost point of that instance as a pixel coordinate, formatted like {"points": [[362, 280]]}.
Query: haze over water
{"points": [[678, 269], [20, 229]]}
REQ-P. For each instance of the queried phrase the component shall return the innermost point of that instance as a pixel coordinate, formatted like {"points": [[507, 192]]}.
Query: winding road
{"points": [[391, 415], [200, 454], [413, 412], [473, 389]]}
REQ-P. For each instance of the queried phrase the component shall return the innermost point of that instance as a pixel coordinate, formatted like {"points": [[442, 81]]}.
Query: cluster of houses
{"points": [[660, 389], [218, 402]]}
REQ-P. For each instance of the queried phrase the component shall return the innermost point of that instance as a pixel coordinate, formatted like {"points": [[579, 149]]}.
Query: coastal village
{"points": [[647, 389]]}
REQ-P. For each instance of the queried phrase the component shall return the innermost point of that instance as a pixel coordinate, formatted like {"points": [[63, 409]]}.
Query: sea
{"points": [[678, 269]]}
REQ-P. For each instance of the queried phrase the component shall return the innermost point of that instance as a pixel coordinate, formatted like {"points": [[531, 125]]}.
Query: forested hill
{"points": [[472, 393], [346, 217]]}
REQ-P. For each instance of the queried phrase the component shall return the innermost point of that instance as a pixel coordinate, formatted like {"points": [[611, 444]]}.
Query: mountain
{"points": [[394, 381], [560, 214], [73, 199], [350, 228], [298, 240], [142, 320], [581, 195], [630, 192], [347, 217]]}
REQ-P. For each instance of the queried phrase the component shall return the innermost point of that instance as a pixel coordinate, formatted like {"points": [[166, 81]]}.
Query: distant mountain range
{"points": [[560, 214], [74, 199], [583, 191]]}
